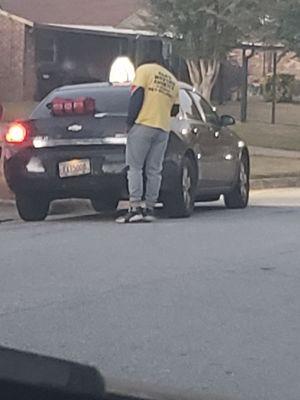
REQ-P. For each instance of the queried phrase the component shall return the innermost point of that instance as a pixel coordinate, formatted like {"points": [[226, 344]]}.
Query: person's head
{"points": [[152, 57]]}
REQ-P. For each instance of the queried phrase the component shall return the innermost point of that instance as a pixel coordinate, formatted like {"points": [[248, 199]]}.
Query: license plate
{"points": [[74, 168]]}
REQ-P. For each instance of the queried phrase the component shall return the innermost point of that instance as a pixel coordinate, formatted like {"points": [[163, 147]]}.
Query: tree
{"points": [[288, 31], [280, 25], [207, 30]]}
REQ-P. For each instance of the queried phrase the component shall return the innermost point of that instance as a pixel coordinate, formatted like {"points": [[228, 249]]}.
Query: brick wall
{"points": [[12, 45]]}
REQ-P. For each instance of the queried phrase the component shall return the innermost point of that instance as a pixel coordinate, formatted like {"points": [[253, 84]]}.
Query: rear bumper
{"points": [[108, 172]]}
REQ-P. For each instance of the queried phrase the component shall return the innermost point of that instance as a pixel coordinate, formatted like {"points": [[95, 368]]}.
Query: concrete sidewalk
{"points": [[276, 153]]}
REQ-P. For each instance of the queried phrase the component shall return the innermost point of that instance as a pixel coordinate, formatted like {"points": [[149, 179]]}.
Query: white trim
{"points": [[21, 20], [40, 142], [103, 29]]}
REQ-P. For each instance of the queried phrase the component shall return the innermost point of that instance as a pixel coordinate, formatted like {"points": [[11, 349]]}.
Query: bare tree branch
{"points": [[282, 55]]}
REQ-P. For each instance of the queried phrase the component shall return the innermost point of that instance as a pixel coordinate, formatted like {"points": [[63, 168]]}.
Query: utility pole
{"points": [[274, 84], [244, 99]]}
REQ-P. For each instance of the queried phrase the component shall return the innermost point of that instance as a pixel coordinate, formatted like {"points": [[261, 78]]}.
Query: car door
{"points": [[208, 144], [194, 131], [223, 151]]}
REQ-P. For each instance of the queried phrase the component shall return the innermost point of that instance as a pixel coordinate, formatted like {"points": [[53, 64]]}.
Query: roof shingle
{"points": [[83, 12]]}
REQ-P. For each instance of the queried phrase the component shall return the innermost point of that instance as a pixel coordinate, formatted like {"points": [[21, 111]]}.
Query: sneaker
{"points": [[149, 215], [133, 215]]}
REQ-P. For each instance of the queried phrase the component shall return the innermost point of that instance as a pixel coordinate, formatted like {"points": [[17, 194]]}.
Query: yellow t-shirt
{"points": [[161, 93]]}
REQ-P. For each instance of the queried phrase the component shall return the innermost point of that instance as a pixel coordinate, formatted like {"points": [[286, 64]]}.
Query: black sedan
{"points": [[73, 146]]}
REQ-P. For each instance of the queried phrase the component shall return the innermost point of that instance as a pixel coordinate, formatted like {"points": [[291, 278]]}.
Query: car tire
{"points": [[32, 208], [105, 204], [238, 198], [180, 203]]}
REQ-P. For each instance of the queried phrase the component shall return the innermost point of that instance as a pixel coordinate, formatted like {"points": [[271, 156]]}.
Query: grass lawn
{"points": [[258, 131]]}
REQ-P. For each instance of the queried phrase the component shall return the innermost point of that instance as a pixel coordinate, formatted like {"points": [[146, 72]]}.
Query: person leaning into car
{"points": [[154, 100]]}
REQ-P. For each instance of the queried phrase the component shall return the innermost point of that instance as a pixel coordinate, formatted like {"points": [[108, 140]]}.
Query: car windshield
{"points": [[149, 199]]}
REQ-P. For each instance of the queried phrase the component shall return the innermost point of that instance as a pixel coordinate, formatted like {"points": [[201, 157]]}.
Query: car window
{"points": [[188, 107], [210, 115], [108, 99], [198, 99]]}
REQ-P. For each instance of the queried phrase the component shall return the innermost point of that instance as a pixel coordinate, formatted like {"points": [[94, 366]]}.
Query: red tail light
{"points": [[81, 106], [17, 134], [57, 106], [90, 105], [68, 106]]}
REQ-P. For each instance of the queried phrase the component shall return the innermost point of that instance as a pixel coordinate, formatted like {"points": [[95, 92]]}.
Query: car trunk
{"points": [[79, 127]]}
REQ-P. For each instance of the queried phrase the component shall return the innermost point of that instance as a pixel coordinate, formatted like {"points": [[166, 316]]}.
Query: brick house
{"points": [[17, 67], [34, 52]]}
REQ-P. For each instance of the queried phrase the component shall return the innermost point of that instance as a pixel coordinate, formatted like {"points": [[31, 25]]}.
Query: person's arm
{"points": [[175, 110], [176, 107], [135, 105], [137, 96]]}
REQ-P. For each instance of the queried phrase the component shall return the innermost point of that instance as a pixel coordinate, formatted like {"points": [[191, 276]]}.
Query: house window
{"points": [[47, 50]]}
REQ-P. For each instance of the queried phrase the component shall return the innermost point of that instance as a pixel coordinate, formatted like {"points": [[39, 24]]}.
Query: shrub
{"points": [[284, 88]]}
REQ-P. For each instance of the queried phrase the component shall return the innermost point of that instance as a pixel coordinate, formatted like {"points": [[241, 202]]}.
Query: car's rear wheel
{"points": [[239, 196], [105, 204], [32, 207], [180, 202]]}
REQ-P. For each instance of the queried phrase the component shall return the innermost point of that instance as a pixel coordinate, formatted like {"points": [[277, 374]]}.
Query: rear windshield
{"points": [[111, 100]]}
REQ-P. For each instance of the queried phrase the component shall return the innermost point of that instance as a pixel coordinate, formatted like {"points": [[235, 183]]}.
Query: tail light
{"points": [[90, 105], [16, 134], [68, 106], [57, 106], [79, 106]]}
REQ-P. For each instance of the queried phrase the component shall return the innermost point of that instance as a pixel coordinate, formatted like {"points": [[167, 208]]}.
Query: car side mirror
{"points": [[227, 120]]}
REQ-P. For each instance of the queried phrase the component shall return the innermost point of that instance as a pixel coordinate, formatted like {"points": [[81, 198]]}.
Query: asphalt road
{"points": [[209, 304]]}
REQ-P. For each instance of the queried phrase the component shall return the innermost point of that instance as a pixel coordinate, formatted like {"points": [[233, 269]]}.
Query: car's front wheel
{"points": [[32, 208], [105, 204], [239, 196], [180, 202]]}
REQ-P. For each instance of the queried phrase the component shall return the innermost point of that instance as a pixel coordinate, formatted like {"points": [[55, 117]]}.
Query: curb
{"points": [[275, 182], [277, 153]]}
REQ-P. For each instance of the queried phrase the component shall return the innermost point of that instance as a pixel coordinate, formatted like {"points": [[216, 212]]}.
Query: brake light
{"points": [[84, 105], [78, 105], [57, 106], [68, 106], [90, 105], [17, 133], [81, 106]]}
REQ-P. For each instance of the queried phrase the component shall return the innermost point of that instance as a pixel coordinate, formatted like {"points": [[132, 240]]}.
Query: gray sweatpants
{"points": [[146, 147]]}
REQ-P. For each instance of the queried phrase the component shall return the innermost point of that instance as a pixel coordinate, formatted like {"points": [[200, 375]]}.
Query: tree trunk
{"points": [[203, 75], [209, 71]]}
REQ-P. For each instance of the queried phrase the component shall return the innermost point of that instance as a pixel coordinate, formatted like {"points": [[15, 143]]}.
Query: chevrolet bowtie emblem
{"points": [[74, 128]]}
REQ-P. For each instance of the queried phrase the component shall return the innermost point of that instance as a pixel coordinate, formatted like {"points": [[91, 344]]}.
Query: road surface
{"points": [[209, 304]]}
